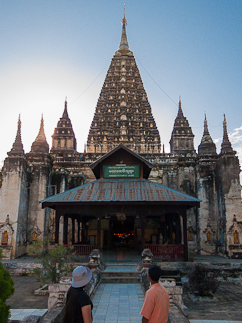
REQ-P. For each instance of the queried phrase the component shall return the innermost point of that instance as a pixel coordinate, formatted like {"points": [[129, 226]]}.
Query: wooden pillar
{"points": [[184, 216], [99, 233], [178, 230], [73, 231], [65, 229], [142, 233], [78, 230], [109, 235], [135, 239], [83, 240], [57, 225]]}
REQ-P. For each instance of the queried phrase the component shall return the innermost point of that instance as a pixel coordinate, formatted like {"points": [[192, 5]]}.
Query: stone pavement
{"points": [[212, 321], [23, 297], [118, 303], [227, 307]]}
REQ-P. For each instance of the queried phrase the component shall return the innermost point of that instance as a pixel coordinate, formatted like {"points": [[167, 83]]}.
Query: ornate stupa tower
{"points": [[123, 112], [14, 200], [63, 139], [181, 142], [229, 192], [207, 218], [39, 163]]}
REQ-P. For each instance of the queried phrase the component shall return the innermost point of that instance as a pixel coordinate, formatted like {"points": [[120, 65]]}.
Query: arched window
{"points": [[5, 238], [53, 236], [236, 237]]}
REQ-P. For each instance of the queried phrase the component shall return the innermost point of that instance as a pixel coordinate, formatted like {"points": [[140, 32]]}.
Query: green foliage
{"points": [[203, 282], [53, 258], [6, 291]]}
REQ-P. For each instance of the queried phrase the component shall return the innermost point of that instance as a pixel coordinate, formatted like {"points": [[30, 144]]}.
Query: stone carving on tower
{"points": [[228, 188], [63, 139], [66, 172], [14, 195], [17, 149], [123, 112], [181, 142], [39, 162]]}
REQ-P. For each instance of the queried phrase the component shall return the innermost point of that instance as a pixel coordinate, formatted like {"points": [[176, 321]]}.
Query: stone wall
{"points": [[14, 202]]}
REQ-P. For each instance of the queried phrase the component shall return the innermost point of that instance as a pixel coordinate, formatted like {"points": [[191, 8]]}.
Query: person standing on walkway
{"points": [[156, 302], [78, 308]]}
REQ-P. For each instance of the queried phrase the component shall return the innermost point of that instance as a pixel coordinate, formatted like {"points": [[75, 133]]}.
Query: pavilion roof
{"points": [[121, 190]]}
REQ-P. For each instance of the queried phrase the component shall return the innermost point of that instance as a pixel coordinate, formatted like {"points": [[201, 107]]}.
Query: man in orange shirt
{"points": [[156, 303]]}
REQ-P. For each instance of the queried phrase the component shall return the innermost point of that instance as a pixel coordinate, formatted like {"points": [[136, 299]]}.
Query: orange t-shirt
{"points": [[156, 304]]}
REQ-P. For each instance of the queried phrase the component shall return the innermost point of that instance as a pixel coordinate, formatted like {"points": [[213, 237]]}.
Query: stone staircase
{"points": [[121, 277]]}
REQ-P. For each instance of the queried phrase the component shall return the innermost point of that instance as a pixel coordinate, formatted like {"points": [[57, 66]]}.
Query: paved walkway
{"points": [[115, 303], [212, 321]]}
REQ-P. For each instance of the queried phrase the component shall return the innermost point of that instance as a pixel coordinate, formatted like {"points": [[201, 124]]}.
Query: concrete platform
{"points": [[19, 314]]}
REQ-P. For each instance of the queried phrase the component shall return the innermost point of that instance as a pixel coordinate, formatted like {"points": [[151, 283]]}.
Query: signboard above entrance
{"points": [[121, 171]]}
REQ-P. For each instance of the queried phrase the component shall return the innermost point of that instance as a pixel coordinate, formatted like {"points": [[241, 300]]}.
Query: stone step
{"points": [[117, 274], [120, 280]]}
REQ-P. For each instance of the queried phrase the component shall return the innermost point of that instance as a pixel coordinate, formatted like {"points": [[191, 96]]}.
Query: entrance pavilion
{"points": [[123, 208]]}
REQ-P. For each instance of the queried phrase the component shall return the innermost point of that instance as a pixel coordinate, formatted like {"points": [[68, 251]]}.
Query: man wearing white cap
{"points": [[78, 308]]}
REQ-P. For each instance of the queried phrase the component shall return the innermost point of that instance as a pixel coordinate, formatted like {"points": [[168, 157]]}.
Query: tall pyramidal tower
{"points": [[123, 112]]}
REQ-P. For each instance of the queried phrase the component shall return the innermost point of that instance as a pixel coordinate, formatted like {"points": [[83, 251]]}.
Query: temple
{"points": [[184, 198]]}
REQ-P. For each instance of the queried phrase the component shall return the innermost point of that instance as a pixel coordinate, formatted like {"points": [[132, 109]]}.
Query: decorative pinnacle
{"points": [[124, 42], [124, 21], [226, 145], [225, 134], [17, 148], [180, 113], [205, 125], [65, 113], [41, 134], [19, 127]]}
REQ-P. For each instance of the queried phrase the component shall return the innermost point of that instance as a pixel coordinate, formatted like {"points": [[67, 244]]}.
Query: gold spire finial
{"points": [[205, 124]]}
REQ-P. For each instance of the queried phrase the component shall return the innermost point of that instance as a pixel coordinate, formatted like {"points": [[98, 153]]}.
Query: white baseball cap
{"points": [[81, 276]]}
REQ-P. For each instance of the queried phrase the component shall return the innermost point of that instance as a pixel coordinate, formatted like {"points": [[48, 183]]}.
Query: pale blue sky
{"points": [[53, 49]]}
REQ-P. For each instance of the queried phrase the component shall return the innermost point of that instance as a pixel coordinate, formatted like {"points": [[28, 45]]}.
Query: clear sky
{"points": [[57, 48]]}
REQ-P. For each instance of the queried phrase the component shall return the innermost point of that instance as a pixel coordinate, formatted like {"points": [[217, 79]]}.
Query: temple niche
{"points": [[6, 234], [123, 115]]}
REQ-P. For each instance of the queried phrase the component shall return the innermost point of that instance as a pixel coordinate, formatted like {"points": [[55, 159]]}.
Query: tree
{"points": [[203, 282], [6, 291], [54, 261]]}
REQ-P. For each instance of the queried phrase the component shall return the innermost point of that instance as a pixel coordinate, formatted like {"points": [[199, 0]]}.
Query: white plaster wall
{"points": [[10, 201], [38, 189], [233, 206]]}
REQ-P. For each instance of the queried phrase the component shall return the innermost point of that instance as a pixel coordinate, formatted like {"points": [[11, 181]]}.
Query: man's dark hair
{"points": [[154, 272]]}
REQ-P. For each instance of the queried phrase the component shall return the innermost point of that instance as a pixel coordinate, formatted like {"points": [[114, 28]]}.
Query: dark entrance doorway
{"points": [[122, 231]]}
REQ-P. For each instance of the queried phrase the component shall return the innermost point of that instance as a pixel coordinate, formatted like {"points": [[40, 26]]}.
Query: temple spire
{"points": [[205, 126], [17, 148], [180, 112], [182, 137], [207, 146], [226, 145], [63, 139], [65, 113], [124, 45], [40, 144]]}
